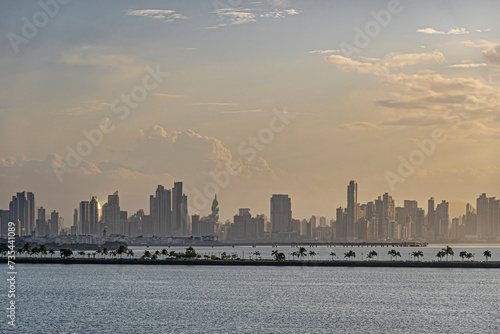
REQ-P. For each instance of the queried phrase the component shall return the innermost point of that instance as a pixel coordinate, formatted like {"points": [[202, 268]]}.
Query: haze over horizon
{"points": [[331, 116]]}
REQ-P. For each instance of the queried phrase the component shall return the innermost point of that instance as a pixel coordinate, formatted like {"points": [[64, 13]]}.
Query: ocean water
{"points": [[220, 299]]}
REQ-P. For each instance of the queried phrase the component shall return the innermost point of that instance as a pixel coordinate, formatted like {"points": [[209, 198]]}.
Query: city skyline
{"points": [[170, 216], [233, 78]]}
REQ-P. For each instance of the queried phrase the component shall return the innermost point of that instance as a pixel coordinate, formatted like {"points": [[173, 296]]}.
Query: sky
{"points": [[247, 99]]}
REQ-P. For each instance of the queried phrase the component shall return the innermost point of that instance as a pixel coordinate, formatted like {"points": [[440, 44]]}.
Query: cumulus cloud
{"points": [[482, 43], [157, 14], [468, 65], [492, 54], [324, 51], [235, 16], [452, 31], [383, 66]]}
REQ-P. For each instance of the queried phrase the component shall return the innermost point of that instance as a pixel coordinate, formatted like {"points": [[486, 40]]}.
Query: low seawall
{"points": [[399, 264]]}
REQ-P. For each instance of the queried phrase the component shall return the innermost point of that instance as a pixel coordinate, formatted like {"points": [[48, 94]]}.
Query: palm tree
{"points": [[172, 254], [372, 254], [332, 254], [417, 254], [43, 249], [281, 257], [462, 255], [302, 252], [65, 253], [51, 252], [312, 254], [275, 254], [26, 248], [81, 253], [448, 251], [130, 253], [105, 251], [146, 255], [121, 250], [397, 254], [349, 254], [257, 253], [98, 251], [487, 254], [293, 255], [469, 256], [164, 252], [441, 254], [392, 253]]}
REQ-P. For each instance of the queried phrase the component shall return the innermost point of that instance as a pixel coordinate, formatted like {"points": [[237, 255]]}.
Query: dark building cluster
{"points": [[376, 221]]}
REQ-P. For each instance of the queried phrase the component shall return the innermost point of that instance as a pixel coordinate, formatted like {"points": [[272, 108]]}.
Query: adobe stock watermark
{"points": [[121, 107], [31, 27], [426, 147], [363, 37], [248, 150]]}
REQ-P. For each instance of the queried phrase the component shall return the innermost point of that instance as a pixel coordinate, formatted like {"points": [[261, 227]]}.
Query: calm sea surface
{"points": [[212, 299]]}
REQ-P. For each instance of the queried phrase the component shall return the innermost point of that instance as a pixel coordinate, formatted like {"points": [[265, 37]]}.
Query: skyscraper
{"points": [[431, 219], [179, 211], [84, 221], [94, 211], [281, 213], [54, 223], [22, 209], [112, 216], [160, 210], [352, 210], [442, 220]]}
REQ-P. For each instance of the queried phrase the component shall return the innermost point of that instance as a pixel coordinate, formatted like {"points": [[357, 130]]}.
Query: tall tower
{"points": [[160, 210], [94, 208], [179, 211], [281, 213], [352, 209], [54, 223], [84, 222], [431, 217]]}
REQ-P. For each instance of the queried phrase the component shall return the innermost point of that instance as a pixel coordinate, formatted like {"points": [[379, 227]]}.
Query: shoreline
{"points": [[289, 263]]}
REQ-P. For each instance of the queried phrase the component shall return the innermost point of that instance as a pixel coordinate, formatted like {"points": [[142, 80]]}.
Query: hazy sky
{"points": [[353, 85]]}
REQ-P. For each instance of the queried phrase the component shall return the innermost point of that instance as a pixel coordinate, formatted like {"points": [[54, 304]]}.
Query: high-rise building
{"points": [[84, 221], [442, 220], [54, 223], [352, 210], [179, 211], [22, 209], [4, 222], [431, 220], [41, 213], [341, 224], [488, 217], [281, 213], [160, 210], [94, 213], [111, 215]]}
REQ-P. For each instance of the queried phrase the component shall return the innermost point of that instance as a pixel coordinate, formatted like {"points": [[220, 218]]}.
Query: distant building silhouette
{"points": [[281, 213]]}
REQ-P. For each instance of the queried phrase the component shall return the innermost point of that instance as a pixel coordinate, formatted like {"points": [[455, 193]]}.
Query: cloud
{"points": [[97, 56], [157, 14], [430, 31], [492, 54], [215, 104], [468, 65], [241, 111], [236, 16], [324, 51], [167, 96], [87, 107], [383, 66], [452, 31], [478, 44]]}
